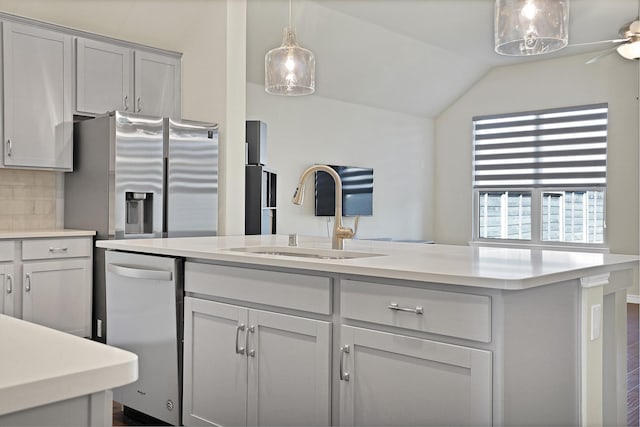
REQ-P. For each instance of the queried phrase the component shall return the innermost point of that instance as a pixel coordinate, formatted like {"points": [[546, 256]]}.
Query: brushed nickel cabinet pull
{"points": [[250, 352], [239, 350], [396, 307], [344, 376]]}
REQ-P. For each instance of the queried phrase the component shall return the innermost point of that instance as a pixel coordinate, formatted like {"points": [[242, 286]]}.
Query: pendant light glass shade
{"points": [[290, 70], [531, 27]]}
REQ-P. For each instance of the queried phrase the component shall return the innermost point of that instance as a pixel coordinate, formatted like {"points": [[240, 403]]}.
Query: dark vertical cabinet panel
{"points": [[260, 203]]}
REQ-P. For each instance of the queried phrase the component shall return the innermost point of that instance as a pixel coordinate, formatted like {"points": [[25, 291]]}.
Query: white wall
{"points": [[302, 131], [213, 71], [537, 85]]}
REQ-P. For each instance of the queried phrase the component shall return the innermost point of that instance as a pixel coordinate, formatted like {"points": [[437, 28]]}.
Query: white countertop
{"points": [[39, 365], [488, 267], [35, 234]]}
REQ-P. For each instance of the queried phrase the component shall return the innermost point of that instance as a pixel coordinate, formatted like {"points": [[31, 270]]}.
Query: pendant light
{"points": [[531, 27], [290, 70]]}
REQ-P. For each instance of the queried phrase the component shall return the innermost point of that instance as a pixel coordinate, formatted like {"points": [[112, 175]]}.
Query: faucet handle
{"points": [[355, 224]]}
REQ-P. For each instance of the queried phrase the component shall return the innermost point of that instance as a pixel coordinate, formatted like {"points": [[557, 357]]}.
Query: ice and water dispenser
{"points": [[139, 213]]}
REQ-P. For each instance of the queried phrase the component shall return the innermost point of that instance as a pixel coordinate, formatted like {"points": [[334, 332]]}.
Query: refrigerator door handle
{"points": [[139, 273]]}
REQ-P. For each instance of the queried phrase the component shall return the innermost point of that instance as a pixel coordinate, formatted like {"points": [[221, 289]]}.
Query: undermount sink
{"points": [[292, 251]]}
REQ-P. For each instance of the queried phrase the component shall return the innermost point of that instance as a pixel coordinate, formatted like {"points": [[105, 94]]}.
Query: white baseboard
{"points": [[633, 299]]}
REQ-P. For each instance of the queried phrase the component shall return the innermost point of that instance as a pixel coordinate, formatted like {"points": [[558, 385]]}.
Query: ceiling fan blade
{"points": [[599, 42], [601, 55]]}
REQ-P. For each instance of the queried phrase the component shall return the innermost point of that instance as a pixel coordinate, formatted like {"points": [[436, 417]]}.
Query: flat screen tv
{"points": [[357, 191]]}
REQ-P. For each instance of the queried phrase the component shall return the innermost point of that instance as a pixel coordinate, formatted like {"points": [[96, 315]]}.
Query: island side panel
{"points": [[93, 410], [540, 362]]}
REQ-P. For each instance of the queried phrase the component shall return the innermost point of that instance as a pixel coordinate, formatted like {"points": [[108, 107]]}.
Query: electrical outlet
{"points": [[99, 328]]}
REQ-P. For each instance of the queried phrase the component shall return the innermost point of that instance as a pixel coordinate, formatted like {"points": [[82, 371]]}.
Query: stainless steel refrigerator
{"points": [[139, 177]]}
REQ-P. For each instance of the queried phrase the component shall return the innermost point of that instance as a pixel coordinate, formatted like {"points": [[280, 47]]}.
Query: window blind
{"points": [[565, 147]]}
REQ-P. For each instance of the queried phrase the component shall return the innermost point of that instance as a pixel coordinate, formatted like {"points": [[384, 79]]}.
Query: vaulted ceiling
{"points": [[410, 56]]}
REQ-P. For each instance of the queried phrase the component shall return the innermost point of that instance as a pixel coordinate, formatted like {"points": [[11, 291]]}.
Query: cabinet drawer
{"points": [[6, 250], [439, 312], [288, 290], [56, 248]]}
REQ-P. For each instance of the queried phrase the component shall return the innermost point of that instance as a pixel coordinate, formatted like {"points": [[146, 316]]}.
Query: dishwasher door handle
{"points": [[140, 273]]}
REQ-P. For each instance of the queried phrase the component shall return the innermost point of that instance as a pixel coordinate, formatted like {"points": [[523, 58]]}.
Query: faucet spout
{"points": [[339, 232]]}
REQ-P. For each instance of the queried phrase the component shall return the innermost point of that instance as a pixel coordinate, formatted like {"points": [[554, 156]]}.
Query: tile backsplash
{"points": [[28, 200]]}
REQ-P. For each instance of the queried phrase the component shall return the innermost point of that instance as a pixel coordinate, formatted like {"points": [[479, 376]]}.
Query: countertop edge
{"points": [[36, 234], [344, 267], [61, 378]]}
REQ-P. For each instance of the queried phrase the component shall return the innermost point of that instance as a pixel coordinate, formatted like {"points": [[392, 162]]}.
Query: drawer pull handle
{"points": [[9, 284], [9, 148], [396, 307], [27, 282], [58, 250], [344, 376], [239, 350]]}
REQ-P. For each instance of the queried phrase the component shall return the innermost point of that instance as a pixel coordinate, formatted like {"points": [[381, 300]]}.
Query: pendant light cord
{"points": [[290, 14]]}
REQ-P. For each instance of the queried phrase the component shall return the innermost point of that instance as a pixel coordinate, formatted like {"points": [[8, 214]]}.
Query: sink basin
{"points": [[292, 251]]}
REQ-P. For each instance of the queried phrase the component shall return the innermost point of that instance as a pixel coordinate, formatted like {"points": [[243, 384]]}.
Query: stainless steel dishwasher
{"points": [[144, 314]]}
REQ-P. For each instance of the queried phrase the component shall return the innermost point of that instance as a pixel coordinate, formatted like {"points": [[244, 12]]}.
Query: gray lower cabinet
{"points": [[6, 289], [38, 120], [251, 367], [7, 275], [391, 379], [57, 294]]}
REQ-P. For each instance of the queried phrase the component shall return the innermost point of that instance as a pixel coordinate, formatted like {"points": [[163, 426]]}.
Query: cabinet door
{"points": [[57, 294], [215, 363], [289, 370], [38, 121], [7, 289], [390, 379], [157, 85], [104, 77]]}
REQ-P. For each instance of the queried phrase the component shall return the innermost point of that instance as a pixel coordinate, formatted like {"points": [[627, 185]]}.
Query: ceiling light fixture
{"points": [[531, 27], [290, 70], [630, 49]]}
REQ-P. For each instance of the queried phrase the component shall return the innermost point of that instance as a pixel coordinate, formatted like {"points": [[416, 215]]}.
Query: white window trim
{"points": [[536, 222]]}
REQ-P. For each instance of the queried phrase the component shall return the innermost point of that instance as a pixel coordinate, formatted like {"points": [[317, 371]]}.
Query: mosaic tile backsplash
{"points": [[27, 200]]}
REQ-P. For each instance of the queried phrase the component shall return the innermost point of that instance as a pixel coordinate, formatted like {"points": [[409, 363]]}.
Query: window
{"points": [[540, 176]]}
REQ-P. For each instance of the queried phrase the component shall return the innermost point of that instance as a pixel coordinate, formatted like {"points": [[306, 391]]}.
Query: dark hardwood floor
{"points": [[633, 374]]}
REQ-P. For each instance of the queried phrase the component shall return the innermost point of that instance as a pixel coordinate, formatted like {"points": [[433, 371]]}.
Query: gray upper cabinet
{"points": [[37, 110], [113, 76], [104, 77], [157, 85]]}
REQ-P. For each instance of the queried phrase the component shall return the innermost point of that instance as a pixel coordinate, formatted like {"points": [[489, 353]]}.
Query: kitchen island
{"points": [[50, 378], [398, 333]]}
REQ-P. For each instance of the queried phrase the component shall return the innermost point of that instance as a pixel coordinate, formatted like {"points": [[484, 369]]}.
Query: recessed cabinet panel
{"points": [[215, 366], [275, 288], [7, 289], [439, 312], [390, 379], [157, 85], [37, 97], [6, 250], [104, 77], [53, 291], [289, 367], [56, 248], [251, 367]]}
